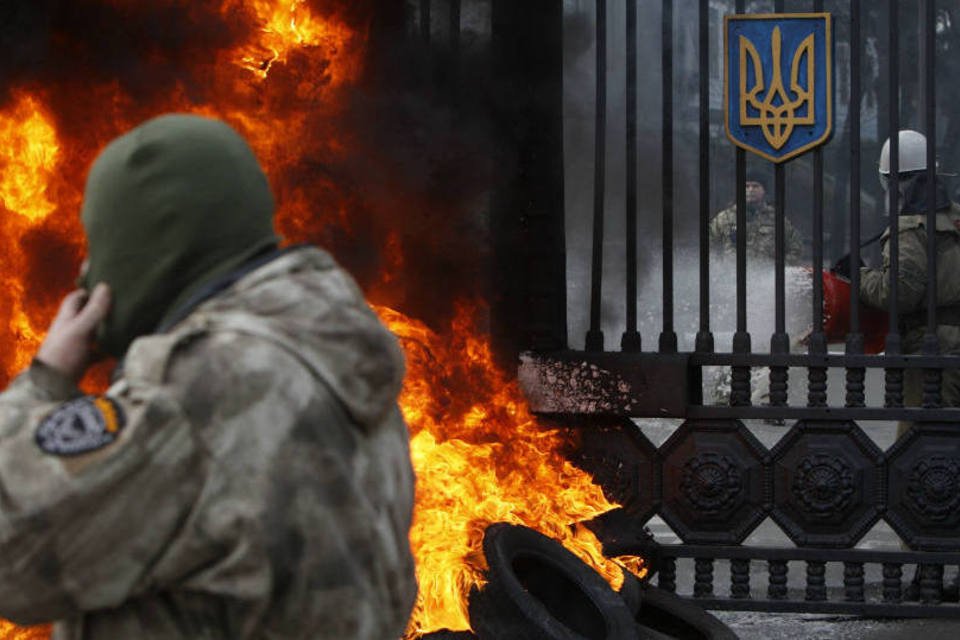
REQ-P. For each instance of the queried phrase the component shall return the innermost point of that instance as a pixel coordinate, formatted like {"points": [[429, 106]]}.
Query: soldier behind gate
{"points": [[761, 219]]}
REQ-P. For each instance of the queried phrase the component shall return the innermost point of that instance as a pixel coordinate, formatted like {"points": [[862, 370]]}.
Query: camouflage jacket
{"points": [[912, 279], [761, 236], [248, 476]]}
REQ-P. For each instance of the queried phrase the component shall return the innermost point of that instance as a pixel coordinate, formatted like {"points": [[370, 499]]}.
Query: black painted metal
{"points": [[893, 396], [704, 341], [852, 595], [623, 462], [715, 488], [703, 578], [855, 396], [527, 226], [828, 483], [779, 342], [594, 339], [668, 337], [425, 21], [740, 376], [817, 376], [630, 341], [931, 345], [825, 483], [923, 492]]}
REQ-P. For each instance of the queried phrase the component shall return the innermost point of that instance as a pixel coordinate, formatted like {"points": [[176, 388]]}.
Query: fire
{"points": [[28, 157], [10, 631], [288, 25], [480, 456]]}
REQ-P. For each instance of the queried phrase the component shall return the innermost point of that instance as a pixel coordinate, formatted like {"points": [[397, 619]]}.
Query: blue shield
{"points": [[778, 82]]}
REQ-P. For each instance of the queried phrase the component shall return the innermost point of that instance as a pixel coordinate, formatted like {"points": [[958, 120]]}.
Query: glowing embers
{"points": [[289, 25], [10, 631], [29, 151], [480, 458]]}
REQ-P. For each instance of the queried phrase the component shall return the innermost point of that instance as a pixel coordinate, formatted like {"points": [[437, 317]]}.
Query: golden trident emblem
{"points": [[777, 111]]}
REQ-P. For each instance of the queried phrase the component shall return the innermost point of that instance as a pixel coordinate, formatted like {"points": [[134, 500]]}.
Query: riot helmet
{"points": [[912, 156]]}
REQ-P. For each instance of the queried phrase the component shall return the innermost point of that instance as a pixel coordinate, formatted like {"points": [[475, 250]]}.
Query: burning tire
{"points": [[668, 615], [537, 590]]}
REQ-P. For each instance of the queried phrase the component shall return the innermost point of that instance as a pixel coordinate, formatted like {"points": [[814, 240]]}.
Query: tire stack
{"points": [[538, 590]]}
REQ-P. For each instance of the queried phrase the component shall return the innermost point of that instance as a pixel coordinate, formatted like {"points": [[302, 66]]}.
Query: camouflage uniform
{"points": [[912, 284], [761, 238], [259, 485]]}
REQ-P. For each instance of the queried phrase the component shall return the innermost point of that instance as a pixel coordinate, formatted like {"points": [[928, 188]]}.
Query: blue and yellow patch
{"points": [[79, 426]]}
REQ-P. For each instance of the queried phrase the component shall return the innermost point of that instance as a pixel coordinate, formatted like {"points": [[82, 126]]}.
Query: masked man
{"points": [[912, 278], [247, 474]]}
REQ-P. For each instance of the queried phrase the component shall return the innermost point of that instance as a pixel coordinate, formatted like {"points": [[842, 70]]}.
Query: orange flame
{"points": [[10, 631], [28, 157], [480, 456], [287, 26]]}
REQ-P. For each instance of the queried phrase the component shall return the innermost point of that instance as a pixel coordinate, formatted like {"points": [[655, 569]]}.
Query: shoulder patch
{"points": [[85, 424]]}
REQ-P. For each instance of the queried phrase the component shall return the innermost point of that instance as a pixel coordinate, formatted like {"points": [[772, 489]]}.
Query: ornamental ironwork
{"points": [[823, 484], [711, 482], [933, 487]]}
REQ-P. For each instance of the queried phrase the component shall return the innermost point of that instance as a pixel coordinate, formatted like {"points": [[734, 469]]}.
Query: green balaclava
{"points": [[170, 206]]}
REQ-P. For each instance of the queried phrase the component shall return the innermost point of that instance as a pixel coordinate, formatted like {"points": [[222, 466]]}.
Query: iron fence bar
{"points": [[668, 337], [806, 554], [902, 361], [779, 342], [817, 376], [695, 359], [594, 339], [931, 345], [425, 21], [884, 599], [740, 376], [704, 340], [855, 396], [816, 581], [454, 26], [893, 396], [630, 341], [892, 582], [907, 414]]}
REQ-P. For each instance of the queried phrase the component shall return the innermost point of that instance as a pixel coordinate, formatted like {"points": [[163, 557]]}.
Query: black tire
{"points": [[646, 633], [631, 591], [537, 590], [670, 614]]}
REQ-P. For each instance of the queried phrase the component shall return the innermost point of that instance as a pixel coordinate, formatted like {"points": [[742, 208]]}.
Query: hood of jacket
{"points": [[305, 303], [168, 206]]}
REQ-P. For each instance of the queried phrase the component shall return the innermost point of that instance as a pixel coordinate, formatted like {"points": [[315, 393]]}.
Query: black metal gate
{"points": [[825, 482]]}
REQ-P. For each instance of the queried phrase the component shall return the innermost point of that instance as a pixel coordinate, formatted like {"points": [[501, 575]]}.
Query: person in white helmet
{"points": [[913, 277]]}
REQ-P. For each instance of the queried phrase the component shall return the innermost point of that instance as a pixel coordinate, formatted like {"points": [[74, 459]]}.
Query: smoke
{"points": [[144, 48], [760, 295]]}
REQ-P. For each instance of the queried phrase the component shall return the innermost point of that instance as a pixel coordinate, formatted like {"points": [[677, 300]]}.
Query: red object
{"points": [[836, 315]]}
